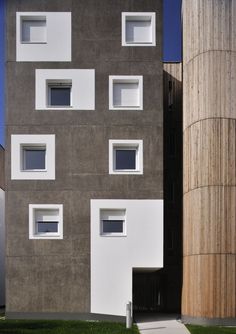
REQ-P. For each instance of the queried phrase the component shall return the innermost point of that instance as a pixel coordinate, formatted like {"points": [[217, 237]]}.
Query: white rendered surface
{"points": [[19, 141], [2, 247], [138, 28], [82, 88], [113, 258], [126, 144], [56, 45], [126, 92], [43, 212]]}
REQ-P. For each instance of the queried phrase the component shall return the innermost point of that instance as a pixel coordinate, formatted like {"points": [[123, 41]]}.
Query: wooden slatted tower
{"points": [[209, 148]]}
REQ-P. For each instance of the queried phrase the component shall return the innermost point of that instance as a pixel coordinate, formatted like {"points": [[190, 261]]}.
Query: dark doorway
{"points": [[147, 287]]}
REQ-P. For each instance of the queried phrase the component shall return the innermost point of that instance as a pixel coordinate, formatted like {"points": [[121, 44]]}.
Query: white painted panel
{"points": [[82, 87], [57, 40], [2, 247], [112, 258]]}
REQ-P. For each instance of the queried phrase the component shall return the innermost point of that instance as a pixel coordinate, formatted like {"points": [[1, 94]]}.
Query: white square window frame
{"points": [[126, 79], [47, 235], [113, 234], [126, 144], [33, 18], [137, 15], [82, 82], [18, 142]]}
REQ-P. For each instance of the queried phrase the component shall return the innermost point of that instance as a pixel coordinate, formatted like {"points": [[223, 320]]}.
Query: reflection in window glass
{"points": [[34, 158], [125, 159]]}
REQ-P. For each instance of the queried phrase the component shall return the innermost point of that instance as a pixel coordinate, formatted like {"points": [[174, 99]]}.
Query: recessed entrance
{"points": [[147, 291]]}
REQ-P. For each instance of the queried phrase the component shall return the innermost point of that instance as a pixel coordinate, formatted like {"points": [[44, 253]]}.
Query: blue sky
{"points": [[171, 45]]}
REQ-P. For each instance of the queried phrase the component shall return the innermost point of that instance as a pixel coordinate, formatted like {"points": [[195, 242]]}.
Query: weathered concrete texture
{"points": [[54, 275]]}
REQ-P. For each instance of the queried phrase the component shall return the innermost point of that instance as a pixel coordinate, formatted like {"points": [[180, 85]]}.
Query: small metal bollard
{"points": [[128, 315]]}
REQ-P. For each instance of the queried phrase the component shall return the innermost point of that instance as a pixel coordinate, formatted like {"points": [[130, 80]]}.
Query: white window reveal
{"points": [[33, 29], [126, 92], [125, 157], [112, 222], [33, 157], [59, 93], [46, 221], [138, 29]]}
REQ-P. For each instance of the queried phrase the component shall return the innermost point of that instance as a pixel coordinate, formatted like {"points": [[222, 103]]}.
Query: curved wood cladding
{"points": [[209, 221], [210, 153], [208, 25], [211, 282], [209, 87], [209, 162]]}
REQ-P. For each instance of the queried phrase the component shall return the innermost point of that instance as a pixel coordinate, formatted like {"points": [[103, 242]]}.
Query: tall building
{"points": [[84, 164], [115, 191]]}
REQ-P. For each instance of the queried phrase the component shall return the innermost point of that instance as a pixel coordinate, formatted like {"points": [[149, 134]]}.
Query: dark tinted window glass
{"points": [[60, 96], [44, 227], [34, 159], [112, 226], [125, 159]]}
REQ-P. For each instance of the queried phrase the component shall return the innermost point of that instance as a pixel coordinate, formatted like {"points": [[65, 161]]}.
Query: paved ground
{"points": [[160, 324]]}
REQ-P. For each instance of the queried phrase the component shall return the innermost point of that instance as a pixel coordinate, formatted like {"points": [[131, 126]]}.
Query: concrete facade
{"points": [[53, 276]]}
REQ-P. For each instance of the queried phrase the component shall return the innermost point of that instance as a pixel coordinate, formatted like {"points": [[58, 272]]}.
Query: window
{"points": [[33, 157], [138, 29], [125, 92], [67, 89], [125, 157], [43, 36], [46, 221], [112, 222], [33, 29], [59, 94]]}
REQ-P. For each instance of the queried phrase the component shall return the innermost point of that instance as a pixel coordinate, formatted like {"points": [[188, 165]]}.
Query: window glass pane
{"points": [[45, 227], [112, 226], [34, 31], [60, 96], [125, 159], [34, 159]]}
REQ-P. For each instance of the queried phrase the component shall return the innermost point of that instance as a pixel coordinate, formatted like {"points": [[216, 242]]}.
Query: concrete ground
{"points": [[160, 324]]}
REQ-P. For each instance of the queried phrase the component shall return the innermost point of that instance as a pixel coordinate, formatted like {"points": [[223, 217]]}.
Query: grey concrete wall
{"points": [[54, 275]]}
